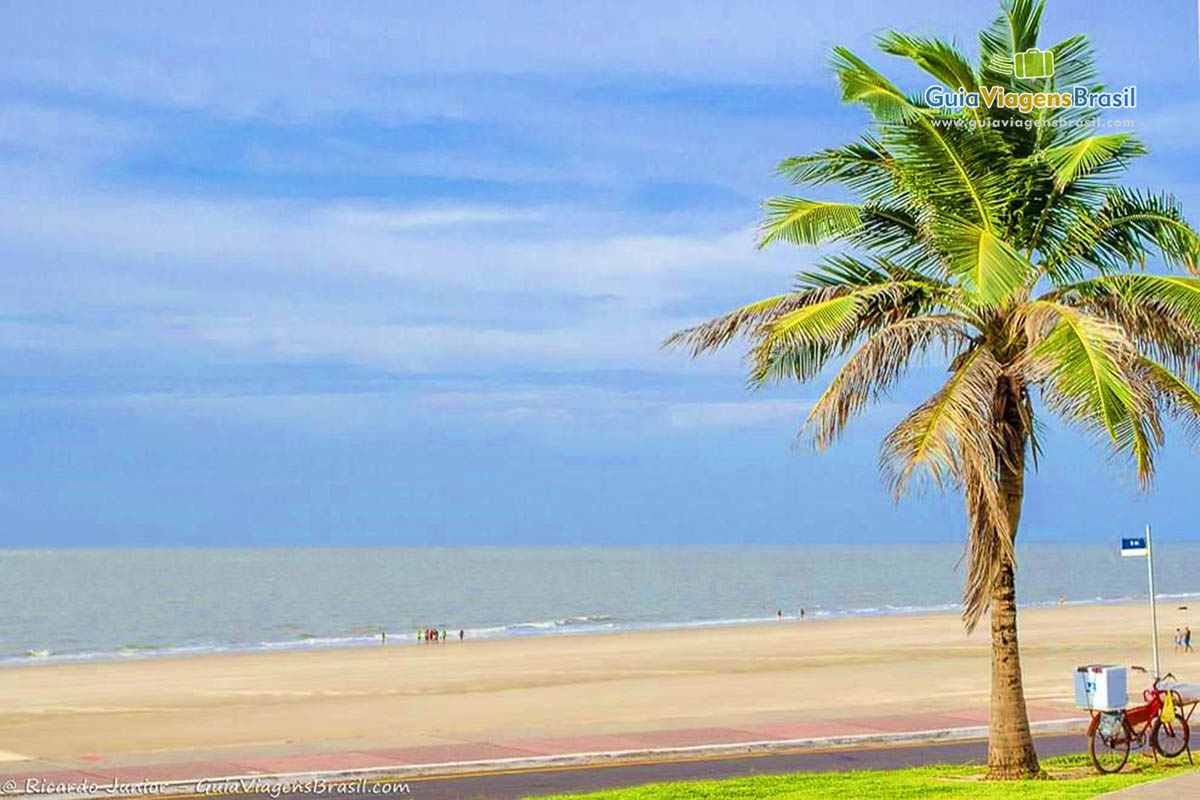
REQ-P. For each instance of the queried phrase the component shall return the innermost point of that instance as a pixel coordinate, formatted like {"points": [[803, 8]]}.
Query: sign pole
{"points": [[1153, 604]]}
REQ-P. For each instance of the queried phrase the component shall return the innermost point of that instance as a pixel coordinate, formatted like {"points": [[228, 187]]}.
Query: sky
{"points": [[397, 273]]}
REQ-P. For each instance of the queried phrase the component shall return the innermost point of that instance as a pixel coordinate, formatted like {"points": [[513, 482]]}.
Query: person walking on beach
{"points": [[1187, 639], [1178, 639], [443, 634], [802, 615], [460, 634], [779, 615]]}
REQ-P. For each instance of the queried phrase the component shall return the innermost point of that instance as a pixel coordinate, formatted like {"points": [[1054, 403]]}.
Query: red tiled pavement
{"points": [[691, 737], [311, 762], [1045, 713], [188, 770], [483, 751], [899, 723], [445, 753], [817, 729], [597, 743]]}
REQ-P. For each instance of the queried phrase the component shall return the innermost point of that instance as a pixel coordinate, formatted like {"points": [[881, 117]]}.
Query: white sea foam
{"points": [[130, 604]]}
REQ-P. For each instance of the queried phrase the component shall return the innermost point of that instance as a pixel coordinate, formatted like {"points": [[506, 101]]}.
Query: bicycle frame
{"points": [[1126, 728], [1139, 718]]}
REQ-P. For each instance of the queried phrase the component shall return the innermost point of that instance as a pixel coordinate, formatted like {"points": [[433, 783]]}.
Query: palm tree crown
{"points": [[998, 237], [1000, 241]]}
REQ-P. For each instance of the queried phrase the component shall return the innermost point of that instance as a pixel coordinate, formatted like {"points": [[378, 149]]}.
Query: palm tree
{"points": [[1000, 243]]}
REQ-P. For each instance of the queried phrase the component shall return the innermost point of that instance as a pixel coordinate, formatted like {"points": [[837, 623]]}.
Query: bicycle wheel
{"points": [[1171, 739], [1108, 742]]}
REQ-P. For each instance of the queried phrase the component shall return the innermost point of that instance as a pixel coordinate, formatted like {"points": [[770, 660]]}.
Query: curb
{"points": [[399, 772]]}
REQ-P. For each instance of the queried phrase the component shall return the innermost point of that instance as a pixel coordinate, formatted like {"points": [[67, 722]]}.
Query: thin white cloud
{"points": [[277, 64], [283, 281], [740, 414], [600, 406], [435, 217]]}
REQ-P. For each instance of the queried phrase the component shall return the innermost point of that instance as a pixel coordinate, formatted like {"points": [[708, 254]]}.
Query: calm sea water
{"points": [[82, 604]]}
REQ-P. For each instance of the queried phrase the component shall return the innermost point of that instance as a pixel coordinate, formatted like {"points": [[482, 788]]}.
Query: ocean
{"points": [[69, 605]]}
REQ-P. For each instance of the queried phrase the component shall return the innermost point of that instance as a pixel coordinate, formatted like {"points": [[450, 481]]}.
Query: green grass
{"points": [[1069, 777]]}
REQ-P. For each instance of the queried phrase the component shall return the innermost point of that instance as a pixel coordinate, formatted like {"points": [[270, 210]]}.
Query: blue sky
{"points": [[365, 273]]}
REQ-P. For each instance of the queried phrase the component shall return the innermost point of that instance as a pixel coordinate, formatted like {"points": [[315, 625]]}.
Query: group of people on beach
{"points": [[434, 635], [1183, 640]]}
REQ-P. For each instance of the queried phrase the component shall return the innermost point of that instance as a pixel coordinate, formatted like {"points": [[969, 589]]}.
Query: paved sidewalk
{"points": [[1185, 785], [1177, 786], [23, 775]]}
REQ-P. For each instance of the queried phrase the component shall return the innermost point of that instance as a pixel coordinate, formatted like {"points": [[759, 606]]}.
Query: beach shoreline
{"points": [[567, 627], [80, 606], [555, 686]]}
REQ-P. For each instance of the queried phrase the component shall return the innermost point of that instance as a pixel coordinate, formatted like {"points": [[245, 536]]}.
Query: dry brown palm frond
{"points": [[928, 439], [953, 439], [1177, 398], [797, 343], [717, 332], [874, 367], [989, 542]]}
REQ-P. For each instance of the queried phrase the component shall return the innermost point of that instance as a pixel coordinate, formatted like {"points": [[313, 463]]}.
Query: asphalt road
{"points": [[534, 783]]}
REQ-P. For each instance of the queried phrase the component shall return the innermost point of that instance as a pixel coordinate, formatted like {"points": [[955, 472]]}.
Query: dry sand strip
{"points": [[540, 688]]}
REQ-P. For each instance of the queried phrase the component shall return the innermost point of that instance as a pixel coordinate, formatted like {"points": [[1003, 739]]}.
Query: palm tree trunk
{"points": [[1010, 743]]}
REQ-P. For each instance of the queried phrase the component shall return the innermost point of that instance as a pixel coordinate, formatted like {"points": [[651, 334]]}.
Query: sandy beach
{"points": [[409, 695]]}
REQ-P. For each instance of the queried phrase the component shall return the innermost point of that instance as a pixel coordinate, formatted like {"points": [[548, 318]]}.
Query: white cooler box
{"points": [[1100, 687]]}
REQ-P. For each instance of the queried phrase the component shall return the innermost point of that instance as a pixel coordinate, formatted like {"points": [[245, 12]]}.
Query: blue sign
{"points": [[1134, 547]]}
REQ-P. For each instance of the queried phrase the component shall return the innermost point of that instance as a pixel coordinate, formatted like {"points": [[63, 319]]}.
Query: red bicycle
{"points": [[1160, 721]]}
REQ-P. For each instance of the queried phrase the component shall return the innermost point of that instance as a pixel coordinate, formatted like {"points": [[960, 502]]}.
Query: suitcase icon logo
{"points": [[1032, 63]]}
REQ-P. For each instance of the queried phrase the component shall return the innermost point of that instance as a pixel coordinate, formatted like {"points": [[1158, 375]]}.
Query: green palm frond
{"points": [[845, 271], [862, 84], [1090, 156], [797, 343], [989, 267], [1160, 314], [1124, 232], [801, 221], [1084, 366], [1015, 30], [946, 168], [826, 320], [939, 59], [897, 234], [1176, 293], [863, 167], [1075, 63]]}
